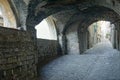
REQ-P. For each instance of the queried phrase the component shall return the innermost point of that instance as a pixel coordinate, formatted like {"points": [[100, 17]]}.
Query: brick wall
{"points": [[17, 55]]}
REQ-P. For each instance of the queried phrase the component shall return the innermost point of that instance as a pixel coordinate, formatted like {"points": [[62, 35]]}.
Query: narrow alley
{"points": [[59, 39], [101, 62]]}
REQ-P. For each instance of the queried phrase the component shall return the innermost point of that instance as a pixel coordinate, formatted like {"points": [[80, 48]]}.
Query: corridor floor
{"points": [[101, 62]]}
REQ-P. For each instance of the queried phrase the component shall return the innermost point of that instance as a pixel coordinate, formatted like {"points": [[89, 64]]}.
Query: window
{"points": [[46, 30]]}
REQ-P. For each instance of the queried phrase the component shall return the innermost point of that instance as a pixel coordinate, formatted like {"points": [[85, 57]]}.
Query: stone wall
{"points": [[17, 55], [46, 49], [72, 39]]}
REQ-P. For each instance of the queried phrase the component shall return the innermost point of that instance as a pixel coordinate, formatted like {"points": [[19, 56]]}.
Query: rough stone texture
{"points": [[61, 19], [72, 40], [47, 51], [64, 12], [21, 11], [106, 14], [102, 62], [36, 10], [46, 8], [17, 55], [46, 48]]}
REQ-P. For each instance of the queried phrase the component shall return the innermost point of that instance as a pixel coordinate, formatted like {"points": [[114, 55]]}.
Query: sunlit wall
{"points": [[46, 30]]}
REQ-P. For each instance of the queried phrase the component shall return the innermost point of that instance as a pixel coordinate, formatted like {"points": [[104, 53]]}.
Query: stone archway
{"points": [[104, 14]]}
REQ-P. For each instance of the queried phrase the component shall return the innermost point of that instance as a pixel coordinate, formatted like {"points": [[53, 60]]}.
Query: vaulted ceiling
{"points": [[32, 12]]}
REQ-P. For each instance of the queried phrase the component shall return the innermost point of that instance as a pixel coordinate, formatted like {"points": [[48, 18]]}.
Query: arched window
{"points": [[1, 17], [46, 29], [7, 18]]}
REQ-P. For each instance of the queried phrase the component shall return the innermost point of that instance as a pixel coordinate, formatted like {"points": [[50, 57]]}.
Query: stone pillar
{"points": [[81, 42], [116, 39], [32, 31], [72, 43], [59, 46], [86, 40], [112, 35], [64, 43], [119, 40]]}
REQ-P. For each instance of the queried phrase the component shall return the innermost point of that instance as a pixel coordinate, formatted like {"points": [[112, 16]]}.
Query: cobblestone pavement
{"points": [[101, 62]]}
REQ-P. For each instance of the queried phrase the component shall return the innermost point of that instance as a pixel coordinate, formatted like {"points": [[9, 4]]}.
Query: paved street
{"points": [[101, 62]]}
